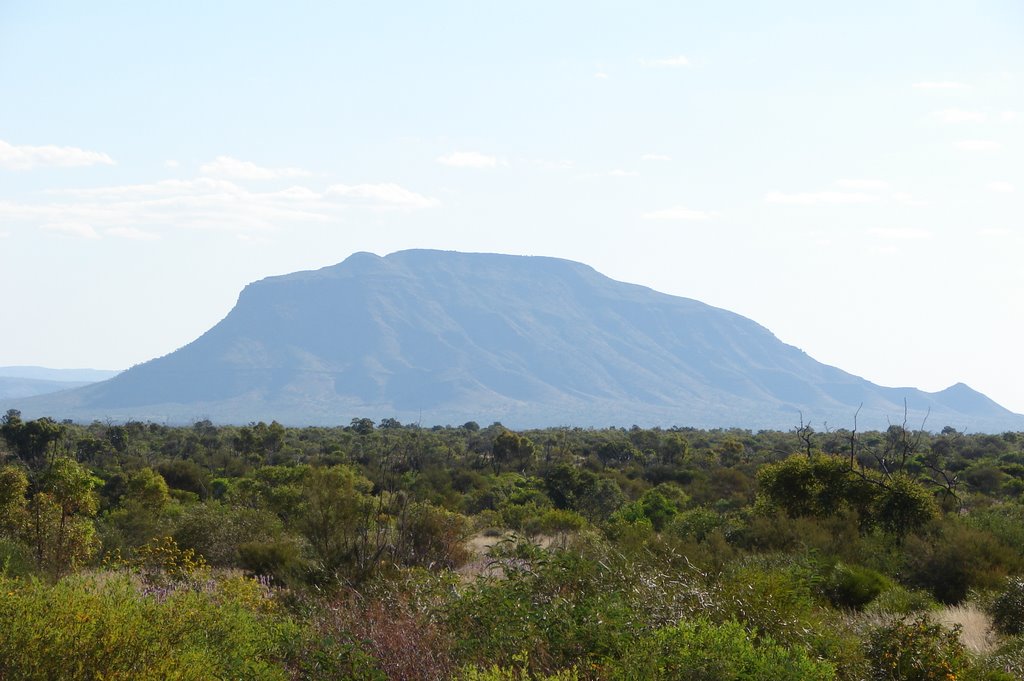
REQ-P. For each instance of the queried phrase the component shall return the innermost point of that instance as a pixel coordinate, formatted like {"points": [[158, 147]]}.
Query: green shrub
{"points": [[519, 672], [702, 651], [899, 600], [91, 628], [1007, 608], [853, 586], [280, 560], [770, 594], [955, 558], [15, 559], [918, 650], [697, 524], [1008, 659]]}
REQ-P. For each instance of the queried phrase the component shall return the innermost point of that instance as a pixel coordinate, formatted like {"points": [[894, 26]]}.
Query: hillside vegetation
{"points": [[391, 551]]}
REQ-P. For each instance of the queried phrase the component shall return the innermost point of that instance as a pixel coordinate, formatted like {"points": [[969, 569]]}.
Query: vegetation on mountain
{"points": [[388, 550]]}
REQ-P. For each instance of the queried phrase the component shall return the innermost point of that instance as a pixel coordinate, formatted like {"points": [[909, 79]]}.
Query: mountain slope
{"points": [[448, 337]]}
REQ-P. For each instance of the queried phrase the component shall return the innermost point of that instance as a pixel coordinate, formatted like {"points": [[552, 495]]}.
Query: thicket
{"points": [[388, 550]]}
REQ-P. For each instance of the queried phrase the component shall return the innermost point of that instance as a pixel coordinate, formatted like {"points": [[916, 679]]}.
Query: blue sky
{"points": [[847, 174]]}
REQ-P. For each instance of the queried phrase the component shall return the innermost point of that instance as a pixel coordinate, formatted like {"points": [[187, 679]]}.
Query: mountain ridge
{"points": [[527, 340]]}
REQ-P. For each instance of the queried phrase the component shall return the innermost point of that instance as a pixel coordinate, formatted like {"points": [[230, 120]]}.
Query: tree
{"points": [[32, 439], [59, 527], [344, 525], [13, 486], [142, 515], [512, 452]]}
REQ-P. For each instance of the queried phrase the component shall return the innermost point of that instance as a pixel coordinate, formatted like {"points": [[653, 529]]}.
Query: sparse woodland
{"points": [[393, 551]]}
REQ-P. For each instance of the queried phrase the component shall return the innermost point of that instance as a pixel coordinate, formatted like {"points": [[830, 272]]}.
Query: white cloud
{"points": [[468, 159], [680, 213], [131, 233], [977, 145], [171, 163], [996, 232], [901, 233], [551, 164], [295, 194], [940, 85], [77, 229], [601, 75], [26, 157], [655, 157], [813, 198], [676, 62], [862, 184], [907, 198], [619, 172], [234, 169], [1001, 187], [381, 195], [1007, 116], [131, 211], [959, 116]]}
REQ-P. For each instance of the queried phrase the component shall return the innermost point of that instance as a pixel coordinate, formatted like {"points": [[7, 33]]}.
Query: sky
{"points": [[849, 175]]}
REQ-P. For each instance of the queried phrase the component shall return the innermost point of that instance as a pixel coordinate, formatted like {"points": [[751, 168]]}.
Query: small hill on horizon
{"points": [[27, 381], [439, 337]]}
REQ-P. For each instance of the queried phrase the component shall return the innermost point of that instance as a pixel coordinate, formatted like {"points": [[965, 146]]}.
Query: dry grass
{"points": [[976, 633], [976, 627]]}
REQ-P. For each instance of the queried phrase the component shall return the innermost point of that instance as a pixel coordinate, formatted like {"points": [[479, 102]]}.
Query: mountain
{"points": [[26, 381], [445, 337]]}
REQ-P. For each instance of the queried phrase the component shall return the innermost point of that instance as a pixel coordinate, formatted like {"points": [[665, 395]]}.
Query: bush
{"points": [[389, 629], [15, 559], [1008, 659], [702, 651], [518, 672], [89, 628], [898, 600], [956, 558], [778, 598], [1007, 608], [916, 651], [279, 560], [853, 586]]}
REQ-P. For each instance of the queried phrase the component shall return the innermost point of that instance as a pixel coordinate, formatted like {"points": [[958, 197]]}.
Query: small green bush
{"points": [[955, 558], [280, 560], [699, 650], [86, 628], [1007, 608], [520, 671], [899, 600], [1007, 659], [15, 559], [918, 650], [853, 586]]}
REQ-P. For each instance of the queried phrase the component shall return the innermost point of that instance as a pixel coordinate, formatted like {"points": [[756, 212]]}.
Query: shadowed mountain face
{"points": [[443, 337]]}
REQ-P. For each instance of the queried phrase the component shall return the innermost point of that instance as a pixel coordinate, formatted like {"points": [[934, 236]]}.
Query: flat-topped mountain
{"points": [[445, 337]]}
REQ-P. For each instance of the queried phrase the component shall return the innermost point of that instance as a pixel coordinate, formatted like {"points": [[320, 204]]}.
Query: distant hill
{"points": [[445, 337], [26, 381]]}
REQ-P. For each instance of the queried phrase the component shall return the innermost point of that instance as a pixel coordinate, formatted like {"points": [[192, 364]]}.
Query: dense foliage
{"points": [[383, 550]]}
